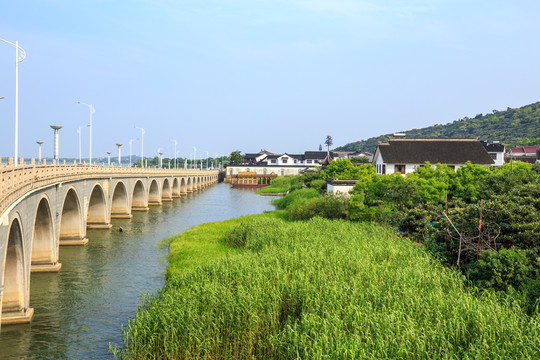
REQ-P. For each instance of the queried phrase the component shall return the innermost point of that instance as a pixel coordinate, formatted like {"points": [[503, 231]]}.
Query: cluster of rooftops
{"points": [[307, 159], [404, 155]]}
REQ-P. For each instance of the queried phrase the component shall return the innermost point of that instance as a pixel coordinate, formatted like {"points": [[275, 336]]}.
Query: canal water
{"points": [[79, 310]]}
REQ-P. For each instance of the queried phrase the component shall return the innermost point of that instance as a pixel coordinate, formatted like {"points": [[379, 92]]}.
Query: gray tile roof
{"points": [[444, 151]]}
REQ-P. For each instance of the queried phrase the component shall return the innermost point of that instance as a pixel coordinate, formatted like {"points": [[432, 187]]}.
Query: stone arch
{"points": [[14, 302], [183, 186], [190, 185], [154, 197], [96, 216], [176, 188], [138, 198], [166, 191], [71, 221], [120, 202], [44, 256]]}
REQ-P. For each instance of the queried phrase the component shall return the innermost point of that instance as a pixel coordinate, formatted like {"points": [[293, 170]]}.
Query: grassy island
{"points": [[261, 287]]}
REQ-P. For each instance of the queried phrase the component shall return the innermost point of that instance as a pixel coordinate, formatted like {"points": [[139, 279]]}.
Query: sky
{"points": [[280, 75]]}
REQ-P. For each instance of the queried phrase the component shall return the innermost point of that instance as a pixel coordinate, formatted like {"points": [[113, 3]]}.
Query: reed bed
{"points": [[324, 289]]}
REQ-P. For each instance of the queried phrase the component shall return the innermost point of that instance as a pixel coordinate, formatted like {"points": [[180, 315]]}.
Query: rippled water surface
{"points": [[79, 310]]}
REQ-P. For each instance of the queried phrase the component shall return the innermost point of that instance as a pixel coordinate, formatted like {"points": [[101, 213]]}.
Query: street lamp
{"points": [[207, 157], [92, 111], [175, 143], [142, 143], [20, 54], [119, 157], [109, 158], [79, 132], [56, 136], [194, 154], [160, 159], [130, 142], [39, 150]]}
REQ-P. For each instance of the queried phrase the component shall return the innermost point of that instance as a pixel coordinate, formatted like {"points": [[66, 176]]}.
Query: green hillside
{"points": [[512, 127]]}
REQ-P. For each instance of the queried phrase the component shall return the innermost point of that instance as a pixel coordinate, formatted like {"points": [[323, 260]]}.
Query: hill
{"points": [[512, 127]]}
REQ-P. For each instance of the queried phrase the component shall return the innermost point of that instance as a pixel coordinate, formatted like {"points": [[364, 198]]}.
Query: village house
{"points": [[265, 162], [496, 150], [405, 155]]}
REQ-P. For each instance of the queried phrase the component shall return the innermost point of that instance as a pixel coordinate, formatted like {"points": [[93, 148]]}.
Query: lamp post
{"points": [[109, 158], [201, 160], [207, 158], [160, 159], [39, 150], [175, 143], [79, 132], [92, 111], [20, 54], [142, 143], [56, 140], [194, 154], [130, 142], [191, 159], [119, 157]]}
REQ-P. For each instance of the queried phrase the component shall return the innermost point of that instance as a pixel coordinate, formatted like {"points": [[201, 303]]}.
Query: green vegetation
{"points": [[320, 289], [491, 225], [281, 185], [236, 158], [512, 127]]}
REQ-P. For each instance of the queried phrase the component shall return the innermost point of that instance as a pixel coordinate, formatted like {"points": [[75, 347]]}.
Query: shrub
{"points": [[328, 207], [295, 196], [502, 269]]}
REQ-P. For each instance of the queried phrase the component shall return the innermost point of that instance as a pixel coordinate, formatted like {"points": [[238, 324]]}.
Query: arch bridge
{"points": [[43, 207]]}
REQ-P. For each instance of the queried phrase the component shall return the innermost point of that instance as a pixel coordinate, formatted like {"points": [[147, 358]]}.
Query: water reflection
{"points": [[79, 310]]}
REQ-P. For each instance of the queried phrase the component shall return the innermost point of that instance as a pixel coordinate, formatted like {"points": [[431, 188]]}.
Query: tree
{"points": [[328, 142], [320, 147], [236, 158]]}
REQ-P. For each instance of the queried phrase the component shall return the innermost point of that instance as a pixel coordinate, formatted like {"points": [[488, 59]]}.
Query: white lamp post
{"points": [[109, 158], [79, 132], [39, 151], [160, 159], [92, 111], [119, 156], [20, 54], [130, 142], [207, 159], [175, 143], [56, 141], [142, 143], [194, 154]]}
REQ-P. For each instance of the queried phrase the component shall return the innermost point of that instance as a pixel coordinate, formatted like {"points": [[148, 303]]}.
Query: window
{"points": [[452, 167], [384, 169], [399, 169], [308, 161], [273, 161], [284, 161], [493, 156]]}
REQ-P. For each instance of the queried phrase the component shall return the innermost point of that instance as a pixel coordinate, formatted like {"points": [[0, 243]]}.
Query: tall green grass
{"points": [[325, 289], [281, 185]]}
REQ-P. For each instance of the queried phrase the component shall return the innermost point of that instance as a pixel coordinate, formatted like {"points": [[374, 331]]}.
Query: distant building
{"points": [[405, 155], [265, 162], [496, 150], [523, 153]]}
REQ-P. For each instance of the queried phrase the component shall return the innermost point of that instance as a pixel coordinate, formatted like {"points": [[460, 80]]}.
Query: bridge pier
{"points": [[75, 241], [121, 216], [45, 268], [98, 226], [22, 316]]}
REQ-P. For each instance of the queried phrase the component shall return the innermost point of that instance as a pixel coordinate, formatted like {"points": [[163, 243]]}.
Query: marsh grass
{"points": [[320, 289]]}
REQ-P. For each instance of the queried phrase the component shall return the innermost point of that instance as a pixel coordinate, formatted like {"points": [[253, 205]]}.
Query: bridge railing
{"points": [[15, 181]]}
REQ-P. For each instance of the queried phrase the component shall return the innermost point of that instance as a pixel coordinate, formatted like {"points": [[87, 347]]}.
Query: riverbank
{"points": [[269, 288]]}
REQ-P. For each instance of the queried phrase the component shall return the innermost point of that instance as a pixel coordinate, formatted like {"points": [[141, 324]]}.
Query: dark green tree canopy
{"points": [[236, 158]]}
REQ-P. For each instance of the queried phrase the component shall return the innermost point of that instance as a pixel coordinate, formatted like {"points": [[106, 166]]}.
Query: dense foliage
{"points": [[324, 289], [485, 220], [512, 127]]}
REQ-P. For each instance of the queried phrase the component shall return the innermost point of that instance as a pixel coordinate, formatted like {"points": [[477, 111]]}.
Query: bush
{"points": [[328, 207], [502, 269], [296, 196]]}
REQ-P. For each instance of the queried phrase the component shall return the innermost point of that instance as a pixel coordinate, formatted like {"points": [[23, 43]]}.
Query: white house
{"points": [[496, 151], [405, 155]]}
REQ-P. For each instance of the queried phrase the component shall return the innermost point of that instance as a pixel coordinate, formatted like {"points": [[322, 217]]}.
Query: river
{"points": [[79, 310]]}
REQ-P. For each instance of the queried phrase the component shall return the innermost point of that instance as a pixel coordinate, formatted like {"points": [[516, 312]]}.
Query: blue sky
{"points": [[224, 75]]}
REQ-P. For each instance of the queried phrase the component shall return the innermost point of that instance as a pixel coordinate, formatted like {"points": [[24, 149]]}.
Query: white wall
{"points": [[339, 189]]}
